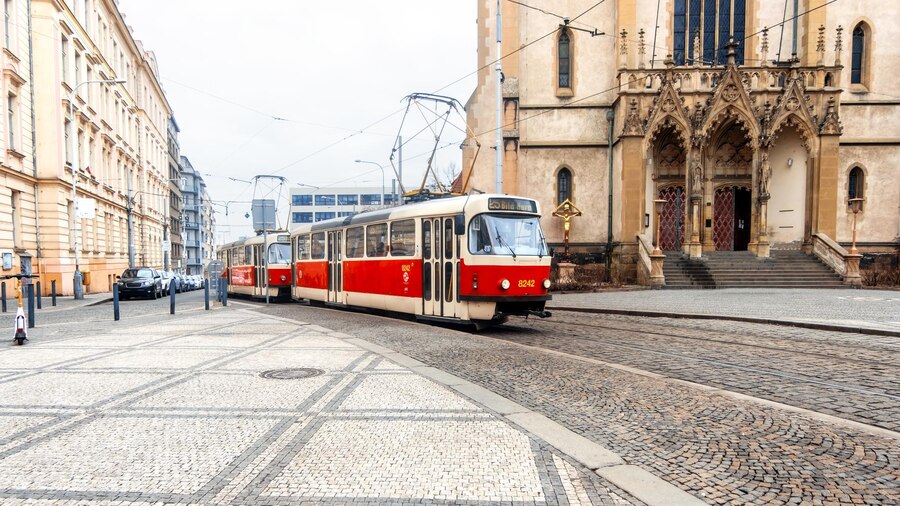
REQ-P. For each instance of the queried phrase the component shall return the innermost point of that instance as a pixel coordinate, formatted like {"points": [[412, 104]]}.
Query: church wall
{"points": [[879, 220]]}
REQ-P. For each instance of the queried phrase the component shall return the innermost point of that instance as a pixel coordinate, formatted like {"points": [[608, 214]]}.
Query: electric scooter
{"points": [[21, 334]]}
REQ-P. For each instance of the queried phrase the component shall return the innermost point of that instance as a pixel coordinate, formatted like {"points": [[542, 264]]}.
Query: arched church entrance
{"points": [[732, 211], [671, 219]]}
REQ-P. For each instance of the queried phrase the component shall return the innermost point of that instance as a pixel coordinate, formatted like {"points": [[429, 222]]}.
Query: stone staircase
{"points": [[742, 269]]}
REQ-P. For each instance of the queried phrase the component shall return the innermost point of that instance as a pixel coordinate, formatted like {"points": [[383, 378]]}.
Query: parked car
{"points": [[166, 281], [142, 281], [176, 284]]}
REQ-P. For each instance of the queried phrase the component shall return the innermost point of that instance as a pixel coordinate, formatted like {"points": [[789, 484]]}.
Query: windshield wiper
{"points": [[500, 240]]}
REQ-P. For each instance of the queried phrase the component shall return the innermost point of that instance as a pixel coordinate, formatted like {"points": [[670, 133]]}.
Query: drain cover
{"points": [[291, 374]]}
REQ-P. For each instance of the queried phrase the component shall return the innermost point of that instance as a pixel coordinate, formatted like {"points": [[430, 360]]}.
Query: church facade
{"points": [[696, 126]]}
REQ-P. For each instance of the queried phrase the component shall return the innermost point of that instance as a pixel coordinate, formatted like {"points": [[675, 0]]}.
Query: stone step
{"points": [[721, 269]]}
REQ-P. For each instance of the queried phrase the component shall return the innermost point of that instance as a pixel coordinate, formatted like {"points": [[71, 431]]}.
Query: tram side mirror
{"points": [[459, 224]]}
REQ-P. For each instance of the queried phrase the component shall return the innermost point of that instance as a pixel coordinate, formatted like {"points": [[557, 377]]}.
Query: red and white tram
{"points": [[245, 266], [471, 259]]}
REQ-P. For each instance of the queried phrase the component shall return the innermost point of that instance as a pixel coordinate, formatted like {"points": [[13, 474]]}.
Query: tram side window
{"points": [[403, 238], [355, 242], [248, 255], [303, 247], [375, 240], [317, 246]]}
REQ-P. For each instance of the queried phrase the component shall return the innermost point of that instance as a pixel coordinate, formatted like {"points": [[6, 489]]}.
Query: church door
{"points": [[731, 228], [671, 220]]}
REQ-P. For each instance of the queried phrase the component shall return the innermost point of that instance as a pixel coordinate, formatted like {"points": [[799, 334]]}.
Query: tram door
{"points": [[334, 267], [259, 264], [438, 267]]}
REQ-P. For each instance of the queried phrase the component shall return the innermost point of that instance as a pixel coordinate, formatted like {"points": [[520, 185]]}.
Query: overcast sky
{"points": [[328, 68]]}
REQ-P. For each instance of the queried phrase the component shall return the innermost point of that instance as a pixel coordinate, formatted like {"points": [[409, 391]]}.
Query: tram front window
{"points": [[491, 234], [279, 253]]}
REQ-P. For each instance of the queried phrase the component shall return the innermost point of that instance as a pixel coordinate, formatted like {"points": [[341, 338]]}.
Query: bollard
{"points": [[225, 296], [171, 300], [39, 297], [206, 293], [53, 292], [30, 306], [116, 302], [3, 294]]}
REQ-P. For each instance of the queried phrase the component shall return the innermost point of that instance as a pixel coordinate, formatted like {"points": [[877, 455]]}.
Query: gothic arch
{"points": [[730, 101], [668, 110], [792, 109]]}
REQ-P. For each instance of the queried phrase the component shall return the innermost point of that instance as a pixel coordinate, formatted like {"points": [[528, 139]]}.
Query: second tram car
{"points": [[245, 266], [471, 259]]}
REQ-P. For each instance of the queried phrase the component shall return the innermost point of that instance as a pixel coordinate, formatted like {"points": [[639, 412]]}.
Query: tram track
{"points": [[595, 344]]}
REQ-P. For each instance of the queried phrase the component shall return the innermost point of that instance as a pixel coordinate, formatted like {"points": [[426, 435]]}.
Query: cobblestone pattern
{"points": [[176, 413], [719, 449], [852, 376]]}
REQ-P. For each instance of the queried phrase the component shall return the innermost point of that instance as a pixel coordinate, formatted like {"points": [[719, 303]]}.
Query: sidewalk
{"points": [[846, 310], [202, 410]]}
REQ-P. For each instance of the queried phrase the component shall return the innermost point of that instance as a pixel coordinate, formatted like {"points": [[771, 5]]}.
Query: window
{"points": [[345, 214], [11, 118], [324, 216], [564, 60], [77, 68], [858, 57], [715, 21], [301, 200], [348, 200], [68, 142], [375, 240], [388, 199], [302, 217], [355, 242], [370, 199], [403, 238], [64, 50], [317, 246], [15, 203], [7, 14], [563, 185], [855, 184], [70, 208], [324, 200], [303, 247]]}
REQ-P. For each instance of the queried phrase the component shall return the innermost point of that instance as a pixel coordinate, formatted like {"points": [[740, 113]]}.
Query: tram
{"points": [[475, 259], [245, 269]]}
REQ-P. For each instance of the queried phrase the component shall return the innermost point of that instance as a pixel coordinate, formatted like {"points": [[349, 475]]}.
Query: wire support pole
{"points": [[499, 82]]}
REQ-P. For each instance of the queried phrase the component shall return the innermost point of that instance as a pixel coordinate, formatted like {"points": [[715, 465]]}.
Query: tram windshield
{"points": [[493, 234], [279, 253]]}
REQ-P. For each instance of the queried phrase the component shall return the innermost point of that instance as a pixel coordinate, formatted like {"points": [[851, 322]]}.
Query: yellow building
{"points": [[120, 144], [753, 146]]}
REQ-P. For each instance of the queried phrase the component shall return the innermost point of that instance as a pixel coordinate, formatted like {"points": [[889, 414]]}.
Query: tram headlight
{"points": [[546, 284], [283, 278], [504, 284]]}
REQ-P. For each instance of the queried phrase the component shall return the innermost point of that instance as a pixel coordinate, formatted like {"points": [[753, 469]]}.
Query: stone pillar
{"points": [[827, 185], [762, 248], [566, 273], [633, 187], [853, 277], [657, 278], [695, 249]]}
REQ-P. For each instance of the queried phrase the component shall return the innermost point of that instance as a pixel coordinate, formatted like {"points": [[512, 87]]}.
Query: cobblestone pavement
{"points": [[173, 410], [719, 448], [848, 375], [876, 309]]}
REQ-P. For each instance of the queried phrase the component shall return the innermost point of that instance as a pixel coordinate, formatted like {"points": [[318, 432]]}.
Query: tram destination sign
{"points": [[510, 204]]}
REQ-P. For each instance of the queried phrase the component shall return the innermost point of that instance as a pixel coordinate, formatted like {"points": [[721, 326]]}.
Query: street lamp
{"points": [[382, 178], [855, 207], [78, 287]]}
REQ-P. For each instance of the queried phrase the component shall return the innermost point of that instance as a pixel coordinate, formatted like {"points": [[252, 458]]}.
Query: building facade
{"points": [[309, 205], [199, 220], [753, 145], [173, 259]]}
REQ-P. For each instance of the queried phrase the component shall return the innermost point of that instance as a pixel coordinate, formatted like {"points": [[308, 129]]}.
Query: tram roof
{"points": [[257, 239], [436, 207]]}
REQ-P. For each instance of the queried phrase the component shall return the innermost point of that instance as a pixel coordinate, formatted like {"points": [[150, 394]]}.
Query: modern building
{"points": [[173, 258], [199, 222], [309, 205], [757, 145]]}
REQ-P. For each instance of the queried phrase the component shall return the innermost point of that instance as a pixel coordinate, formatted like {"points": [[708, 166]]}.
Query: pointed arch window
{"points": [[858, 55], [855, 184], [564, 60], [563, 185], [715, 22]]}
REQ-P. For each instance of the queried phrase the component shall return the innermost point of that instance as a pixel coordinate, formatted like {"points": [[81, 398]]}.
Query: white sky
{"points": [[330, 68]]}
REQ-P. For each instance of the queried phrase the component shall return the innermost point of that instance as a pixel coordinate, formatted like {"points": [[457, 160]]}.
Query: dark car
{"points": [[140, 281]]}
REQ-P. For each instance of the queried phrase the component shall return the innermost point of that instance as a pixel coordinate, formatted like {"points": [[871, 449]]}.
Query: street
{"points": [[162, 408]]}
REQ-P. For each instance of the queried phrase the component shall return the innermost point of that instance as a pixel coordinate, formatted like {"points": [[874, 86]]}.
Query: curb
{"points": [[746, 319], [99, 301]]}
